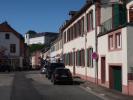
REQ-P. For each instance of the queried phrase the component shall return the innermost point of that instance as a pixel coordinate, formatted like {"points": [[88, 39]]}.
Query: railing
{"points": [[113, 23], [106, 26]]}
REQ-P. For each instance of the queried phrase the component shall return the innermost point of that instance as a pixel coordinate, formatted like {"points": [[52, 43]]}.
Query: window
{"points": [[68, 35], [89, 57], [82, 25], [12, 48], [90, 21], [64, 37], [131, 14], [111, 42], [118, 40], [115, 41], [83, 57], [7, 36]]}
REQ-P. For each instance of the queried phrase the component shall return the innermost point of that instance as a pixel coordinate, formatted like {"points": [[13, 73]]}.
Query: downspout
{"points": [[96, 44]]}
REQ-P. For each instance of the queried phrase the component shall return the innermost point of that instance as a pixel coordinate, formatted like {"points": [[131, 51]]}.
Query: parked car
{"points": [[62, 75], [51, 67]]}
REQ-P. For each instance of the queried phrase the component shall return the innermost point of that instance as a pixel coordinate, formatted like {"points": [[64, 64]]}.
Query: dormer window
{"points": [[7, 36]]}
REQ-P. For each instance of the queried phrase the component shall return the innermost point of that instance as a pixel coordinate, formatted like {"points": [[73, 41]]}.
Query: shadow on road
{"points": [[76, 81]]}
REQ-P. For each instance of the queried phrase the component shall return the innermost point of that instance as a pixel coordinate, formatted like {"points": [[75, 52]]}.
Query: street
{"points": [[34, 86]]}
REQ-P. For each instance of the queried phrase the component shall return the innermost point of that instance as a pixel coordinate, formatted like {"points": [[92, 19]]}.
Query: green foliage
{"points": [[35, 47], [31, 32]]}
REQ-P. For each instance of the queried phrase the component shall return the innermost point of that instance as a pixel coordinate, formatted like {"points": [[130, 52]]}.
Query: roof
{"points": [[5, 27], [79, 13], [44, 34]]}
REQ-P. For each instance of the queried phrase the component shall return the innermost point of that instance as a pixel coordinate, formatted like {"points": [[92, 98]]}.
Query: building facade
{"points": [[97, 43], [40, 38], [13, 43], [56, 50]]}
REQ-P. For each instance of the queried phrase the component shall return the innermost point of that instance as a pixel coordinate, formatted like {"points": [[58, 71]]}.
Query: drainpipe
{"points": [[85, 37], [96, 44]]}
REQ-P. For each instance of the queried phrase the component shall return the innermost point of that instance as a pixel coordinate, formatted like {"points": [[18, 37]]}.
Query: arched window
{"points": [[90, 21]]}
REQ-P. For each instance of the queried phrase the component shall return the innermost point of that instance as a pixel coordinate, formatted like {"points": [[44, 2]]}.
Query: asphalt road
{"points": [[34, 86]]}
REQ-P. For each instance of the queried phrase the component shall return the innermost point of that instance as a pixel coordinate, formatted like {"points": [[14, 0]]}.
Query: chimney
{"points": [[5, 23], [72, 13], [92, 1]]}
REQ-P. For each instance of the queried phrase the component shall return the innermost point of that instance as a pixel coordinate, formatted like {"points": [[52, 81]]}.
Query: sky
{"points": [[37, 15]]}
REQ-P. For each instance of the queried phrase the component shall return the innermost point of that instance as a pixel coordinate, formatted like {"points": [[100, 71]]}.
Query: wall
{"points": [[56, 51], [79, 43], [130, 48], [37, 40], [117, 57], [6, 43], [106, 13]]}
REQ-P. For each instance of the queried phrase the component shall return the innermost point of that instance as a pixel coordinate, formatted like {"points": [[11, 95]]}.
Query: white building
{"points": [[101, 30], [115, 48], [40, 38], [56, 50], [13, 43]]}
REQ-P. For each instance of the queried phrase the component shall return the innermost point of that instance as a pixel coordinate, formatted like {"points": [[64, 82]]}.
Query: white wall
{"points": [[79, 43], [57, 51], [113, 57], [106, 13], [130, 48], [6, 43], [37, 40]]}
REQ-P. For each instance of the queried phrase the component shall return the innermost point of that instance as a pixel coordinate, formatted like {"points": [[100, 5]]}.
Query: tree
{"points": [[35, 47], [31, 32]]}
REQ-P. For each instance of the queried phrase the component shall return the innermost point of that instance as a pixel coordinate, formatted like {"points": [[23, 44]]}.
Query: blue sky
{"points": [[38, 15]]}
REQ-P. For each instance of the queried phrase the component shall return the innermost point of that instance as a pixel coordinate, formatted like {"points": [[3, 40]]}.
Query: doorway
{"points": [[116, 78], [103, 69]]}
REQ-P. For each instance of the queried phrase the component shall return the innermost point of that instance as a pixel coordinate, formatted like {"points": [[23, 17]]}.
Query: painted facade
{"points": [[56, 50], [40, 38], [13, 43], [97, 44]]}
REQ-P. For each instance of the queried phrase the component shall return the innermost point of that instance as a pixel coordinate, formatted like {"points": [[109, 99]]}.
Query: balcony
{"points": [[113, 23]]}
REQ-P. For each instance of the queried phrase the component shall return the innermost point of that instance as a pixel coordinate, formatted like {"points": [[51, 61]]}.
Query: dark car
{"points": [[62, 75], [51, 67]]}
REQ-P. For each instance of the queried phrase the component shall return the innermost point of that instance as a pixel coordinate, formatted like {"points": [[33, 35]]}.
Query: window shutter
{"points": [[116, 15]]}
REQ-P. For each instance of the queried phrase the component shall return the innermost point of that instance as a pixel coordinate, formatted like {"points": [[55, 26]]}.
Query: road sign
{"points": [[94, 55]]}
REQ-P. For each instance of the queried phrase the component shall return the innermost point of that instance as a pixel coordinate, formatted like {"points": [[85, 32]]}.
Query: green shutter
{"points": [[78, 58], [119, 15], [67, 59], [87, 57], [116, 15]]}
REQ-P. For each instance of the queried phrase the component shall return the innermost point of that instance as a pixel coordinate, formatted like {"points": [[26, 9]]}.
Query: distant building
{"points": [[40, 38], [56, 50], [13, 44]]}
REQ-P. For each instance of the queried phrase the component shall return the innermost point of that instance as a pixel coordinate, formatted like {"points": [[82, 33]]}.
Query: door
{"points": [[103, 70], [117, 76]]}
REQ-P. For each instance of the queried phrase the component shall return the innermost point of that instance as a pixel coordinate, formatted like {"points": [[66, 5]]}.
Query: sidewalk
{"points": [[6, 80], [102, 92]]}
